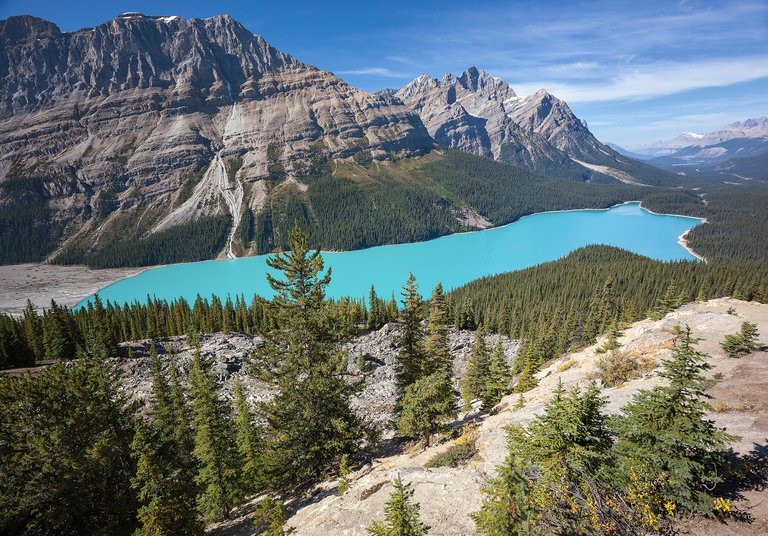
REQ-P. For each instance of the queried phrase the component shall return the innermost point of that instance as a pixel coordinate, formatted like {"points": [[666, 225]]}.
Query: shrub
{"points": [[742, 343], [455, 455], [617, 367]]}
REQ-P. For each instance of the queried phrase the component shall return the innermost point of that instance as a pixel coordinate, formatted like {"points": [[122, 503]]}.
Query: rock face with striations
{"points": [[165, 120]]}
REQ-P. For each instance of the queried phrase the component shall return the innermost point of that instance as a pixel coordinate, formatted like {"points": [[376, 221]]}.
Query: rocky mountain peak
{"points": [[477, 80], [419, 85], [19, 28], [482, 114]]}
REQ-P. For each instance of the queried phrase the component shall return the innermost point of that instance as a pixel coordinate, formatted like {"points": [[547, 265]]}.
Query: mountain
{"points": [[703, 153], [626, 152], [150, 140], [753, 128], [481, 114], [165, 121]]}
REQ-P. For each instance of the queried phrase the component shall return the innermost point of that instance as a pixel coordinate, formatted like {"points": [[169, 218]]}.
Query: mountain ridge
{"points": [[481, 114], [155, 139]]}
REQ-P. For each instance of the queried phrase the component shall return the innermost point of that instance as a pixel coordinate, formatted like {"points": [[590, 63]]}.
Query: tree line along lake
{"points": [[453, 260]]}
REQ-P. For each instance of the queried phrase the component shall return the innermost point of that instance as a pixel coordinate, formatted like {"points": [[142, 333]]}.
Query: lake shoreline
{"points": [[72, 284], [68, 285]]}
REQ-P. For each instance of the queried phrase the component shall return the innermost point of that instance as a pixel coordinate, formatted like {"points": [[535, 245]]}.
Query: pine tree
{"points": [[410, 360], [373, 310], [33, 332], [672, 299], [666, 437], [612, 342], [497, 386], [401, 514], [248, 442], [741, 343], [478, 372], [102, 340], [58, 330], [506, 510], [466, 315], [168, 501], [701, 296], [749, 335], [427, 407], [218, 475], [526, 379], [438, 354], [599, 313], [165, 465], [344, 471], [309, 423], [571, 436], [65, 460], [269, 517]]}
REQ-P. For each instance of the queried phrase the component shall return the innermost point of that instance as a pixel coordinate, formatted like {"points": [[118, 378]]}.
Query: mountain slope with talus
{"points": [[155, 122]]}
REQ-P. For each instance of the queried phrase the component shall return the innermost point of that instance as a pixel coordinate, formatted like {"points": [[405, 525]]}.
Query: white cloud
{"points": [[376, 71], [658, 79]]}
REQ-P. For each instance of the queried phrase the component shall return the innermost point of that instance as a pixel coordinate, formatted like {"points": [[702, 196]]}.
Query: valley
{"points": [[245, 295]]}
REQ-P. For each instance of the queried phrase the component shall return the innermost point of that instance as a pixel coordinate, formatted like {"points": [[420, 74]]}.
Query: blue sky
{"points": [[635, 71]]}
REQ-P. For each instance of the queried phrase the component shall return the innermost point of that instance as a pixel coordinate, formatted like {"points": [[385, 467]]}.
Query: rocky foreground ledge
{"points": [[448, 495]]}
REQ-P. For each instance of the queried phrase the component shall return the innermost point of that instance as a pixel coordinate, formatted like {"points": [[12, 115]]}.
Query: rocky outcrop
{"points": [[376, 351], [172, 119], [448, 495]]}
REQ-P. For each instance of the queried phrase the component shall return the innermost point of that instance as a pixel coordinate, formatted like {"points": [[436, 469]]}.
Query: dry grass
{"points": [[617, 367]]}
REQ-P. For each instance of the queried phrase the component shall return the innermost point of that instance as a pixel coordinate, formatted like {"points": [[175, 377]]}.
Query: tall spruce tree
{"points": [[170, 466], [33, 331], [476, 381], [248, 442], [438, 354], [374, 316], [409, 366], [59, 339], [665, 437], [401, 514], [309, 423], [218, 473], [427, 407], [497, 386], [65, 460]]}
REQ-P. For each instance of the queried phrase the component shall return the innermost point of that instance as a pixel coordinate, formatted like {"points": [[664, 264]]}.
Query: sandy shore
{"points": [[683, 241], [43, 282]]}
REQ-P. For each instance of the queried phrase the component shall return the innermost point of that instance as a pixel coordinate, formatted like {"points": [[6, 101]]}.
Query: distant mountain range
{"points": [[711, 153], [197, 138]]}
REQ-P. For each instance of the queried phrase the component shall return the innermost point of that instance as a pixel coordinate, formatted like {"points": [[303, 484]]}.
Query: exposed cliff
{"points": [[146, 123]]}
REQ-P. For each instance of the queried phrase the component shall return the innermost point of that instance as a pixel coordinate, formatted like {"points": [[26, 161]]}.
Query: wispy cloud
{"points": [[658, 79], [382, 72]]}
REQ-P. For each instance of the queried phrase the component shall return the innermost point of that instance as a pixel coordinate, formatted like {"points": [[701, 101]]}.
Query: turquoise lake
{"points": [[453, 260]]}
